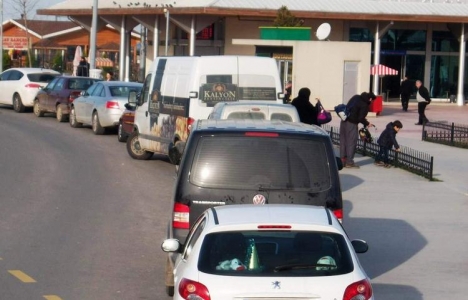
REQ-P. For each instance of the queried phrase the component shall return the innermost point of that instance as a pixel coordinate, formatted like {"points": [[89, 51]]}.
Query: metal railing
{"points": [[414, 161], [448, 134]]}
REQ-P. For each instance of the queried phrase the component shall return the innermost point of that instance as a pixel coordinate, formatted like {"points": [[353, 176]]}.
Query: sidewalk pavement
{"points": [[450, 163], [416, 228]]}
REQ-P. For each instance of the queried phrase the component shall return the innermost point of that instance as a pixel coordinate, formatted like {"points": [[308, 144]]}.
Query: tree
{"points": [[284, 18], [25, 7]]}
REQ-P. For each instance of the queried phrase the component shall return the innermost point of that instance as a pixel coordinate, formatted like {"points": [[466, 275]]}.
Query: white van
{"points": [[179, 90]]}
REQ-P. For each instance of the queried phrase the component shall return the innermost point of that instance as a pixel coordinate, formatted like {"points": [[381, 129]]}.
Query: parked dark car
{"points": [[126, 122], [59, 93]]}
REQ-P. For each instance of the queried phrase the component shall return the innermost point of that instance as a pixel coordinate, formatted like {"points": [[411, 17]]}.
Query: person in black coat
{"points": [[358, 107], [306, 110], [406, 89], [423, 98], [83, 68], [386, 141]]}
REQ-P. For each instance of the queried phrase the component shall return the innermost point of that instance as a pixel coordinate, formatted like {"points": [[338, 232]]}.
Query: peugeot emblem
{"points": [[259, 199], [276, 285]]}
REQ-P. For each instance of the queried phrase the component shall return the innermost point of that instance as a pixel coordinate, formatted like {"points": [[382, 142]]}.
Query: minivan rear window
{"points": [[275, 253], [261, 163]]}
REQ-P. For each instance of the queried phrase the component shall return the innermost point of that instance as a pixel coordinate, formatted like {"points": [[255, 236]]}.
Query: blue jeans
{"points": [[383, 154]]}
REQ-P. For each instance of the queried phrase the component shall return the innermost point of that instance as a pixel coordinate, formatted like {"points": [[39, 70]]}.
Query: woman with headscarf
{"points": [[306, 110]]}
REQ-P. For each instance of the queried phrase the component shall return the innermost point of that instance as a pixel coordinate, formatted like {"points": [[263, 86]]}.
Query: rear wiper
{"points": [[302, 266]]}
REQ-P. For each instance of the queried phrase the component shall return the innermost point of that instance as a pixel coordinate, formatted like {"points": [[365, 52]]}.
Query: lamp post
{"points": [[166, 13], [92, 42]]}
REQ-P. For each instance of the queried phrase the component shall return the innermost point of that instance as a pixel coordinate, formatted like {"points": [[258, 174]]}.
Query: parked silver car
{"points": [[101, 105]]}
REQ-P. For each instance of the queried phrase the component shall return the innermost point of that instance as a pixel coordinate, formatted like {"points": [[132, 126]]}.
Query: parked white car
{"points": [[19, 86], [102, 105], [255, 111], [275, 251]]}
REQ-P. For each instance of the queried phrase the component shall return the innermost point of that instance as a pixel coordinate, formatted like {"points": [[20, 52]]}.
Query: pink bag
{"points": [[323, 116]]}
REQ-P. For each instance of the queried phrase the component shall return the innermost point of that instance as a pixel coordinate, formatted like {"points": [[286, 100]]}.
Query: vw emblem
{"points": [[259, 199], [276, 285]]}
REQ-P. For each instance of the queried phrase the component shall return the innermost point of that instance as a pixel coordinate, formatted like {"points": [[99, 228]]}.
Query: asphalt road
{"points": [[79, 219]]}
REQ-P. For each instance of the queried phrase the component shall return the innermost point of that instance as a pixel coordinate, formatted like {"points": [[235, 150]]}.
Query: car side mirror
{"points": [[339, 163], [171, 245], [83, 93], [360, 246]]}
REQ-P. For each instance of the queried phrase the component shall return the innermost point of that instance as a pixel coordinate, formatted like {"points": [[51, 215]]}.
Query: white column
{"points": [[122, 49], [92, 42], [192, 37], [156, 38], [375, 85], [461, 68]]}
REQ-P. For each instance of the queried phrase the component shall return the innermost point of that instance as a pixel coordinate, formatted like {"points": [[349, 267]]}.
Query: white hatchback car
{"points": [[19, 86], [254, 110], [275, 251]]}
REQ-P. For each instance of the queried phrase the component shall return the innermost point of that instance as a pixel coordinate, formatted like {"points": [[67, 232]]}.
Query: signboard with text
{"points": [[17, 43]]}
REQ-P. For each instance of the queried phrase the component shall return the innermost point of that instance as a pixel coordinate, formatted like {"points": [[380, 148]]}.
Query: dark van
{"points": [[254, 161]]}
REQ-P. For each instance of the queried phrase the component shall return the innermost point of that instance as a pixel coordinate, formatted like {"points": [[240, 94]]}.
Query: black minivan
{"points": [[254, 161], [250, 161]]}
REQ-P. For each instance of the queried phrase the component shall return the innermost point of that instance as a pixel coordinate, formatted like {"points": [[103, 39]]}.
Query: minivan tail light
{"points": [[338, 214], [33, 85], [180, 218], [360, 290], [112, 104], [193, 290], [190, 122], [262, 134]]}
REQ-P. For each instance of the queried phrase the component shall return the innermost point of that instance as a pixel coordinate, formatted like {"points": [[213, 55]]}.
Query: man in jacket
{"points": [[422, 96], [406, 89], [358, 108]]}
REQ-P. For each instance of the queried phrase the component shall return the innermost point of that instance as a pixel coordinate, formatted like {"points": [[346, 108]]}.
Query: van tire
{"points": [[134, 149], [169, 274]]}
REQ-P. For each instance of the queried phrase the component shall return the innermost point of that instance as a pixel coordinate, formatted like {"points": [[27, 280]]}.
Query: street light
{"points": [[166, 13]]}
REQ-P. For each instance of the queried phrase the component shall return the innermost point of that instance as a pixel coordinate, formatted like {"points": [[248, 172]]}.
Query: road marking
{"points": [[52, 297], [21, 276]]}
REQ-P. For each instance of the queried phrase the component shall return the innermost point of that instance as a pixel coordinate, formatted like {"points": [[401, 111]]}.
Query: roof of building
{"points": [[407, 10]]}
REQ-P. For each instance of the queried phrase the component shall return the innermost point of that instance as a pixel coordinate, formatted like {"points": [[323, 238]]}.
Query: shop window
{"points": [[444, 41], [206, 33], [408, 40]]}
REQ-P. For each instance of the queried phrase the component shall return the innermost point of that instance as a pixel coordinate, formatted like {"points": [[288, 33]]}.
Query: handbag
{"points": [[323, 116]]}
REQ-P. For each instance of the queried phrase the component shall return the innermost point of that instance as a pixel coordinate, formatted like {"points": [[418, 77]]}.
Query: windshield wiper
{"points": [[302, 266]]}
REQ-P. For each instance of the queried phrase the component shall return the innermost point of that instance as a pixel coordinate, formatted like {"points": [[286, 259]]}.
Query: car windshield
{"points": [[275, 253], [41, 77], [261, 163], [123, 91]]}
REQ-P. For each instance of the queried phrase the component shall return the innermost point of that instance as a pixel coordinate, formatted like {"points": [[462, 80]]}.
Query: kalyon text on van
{"points": [[179, 90]]}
